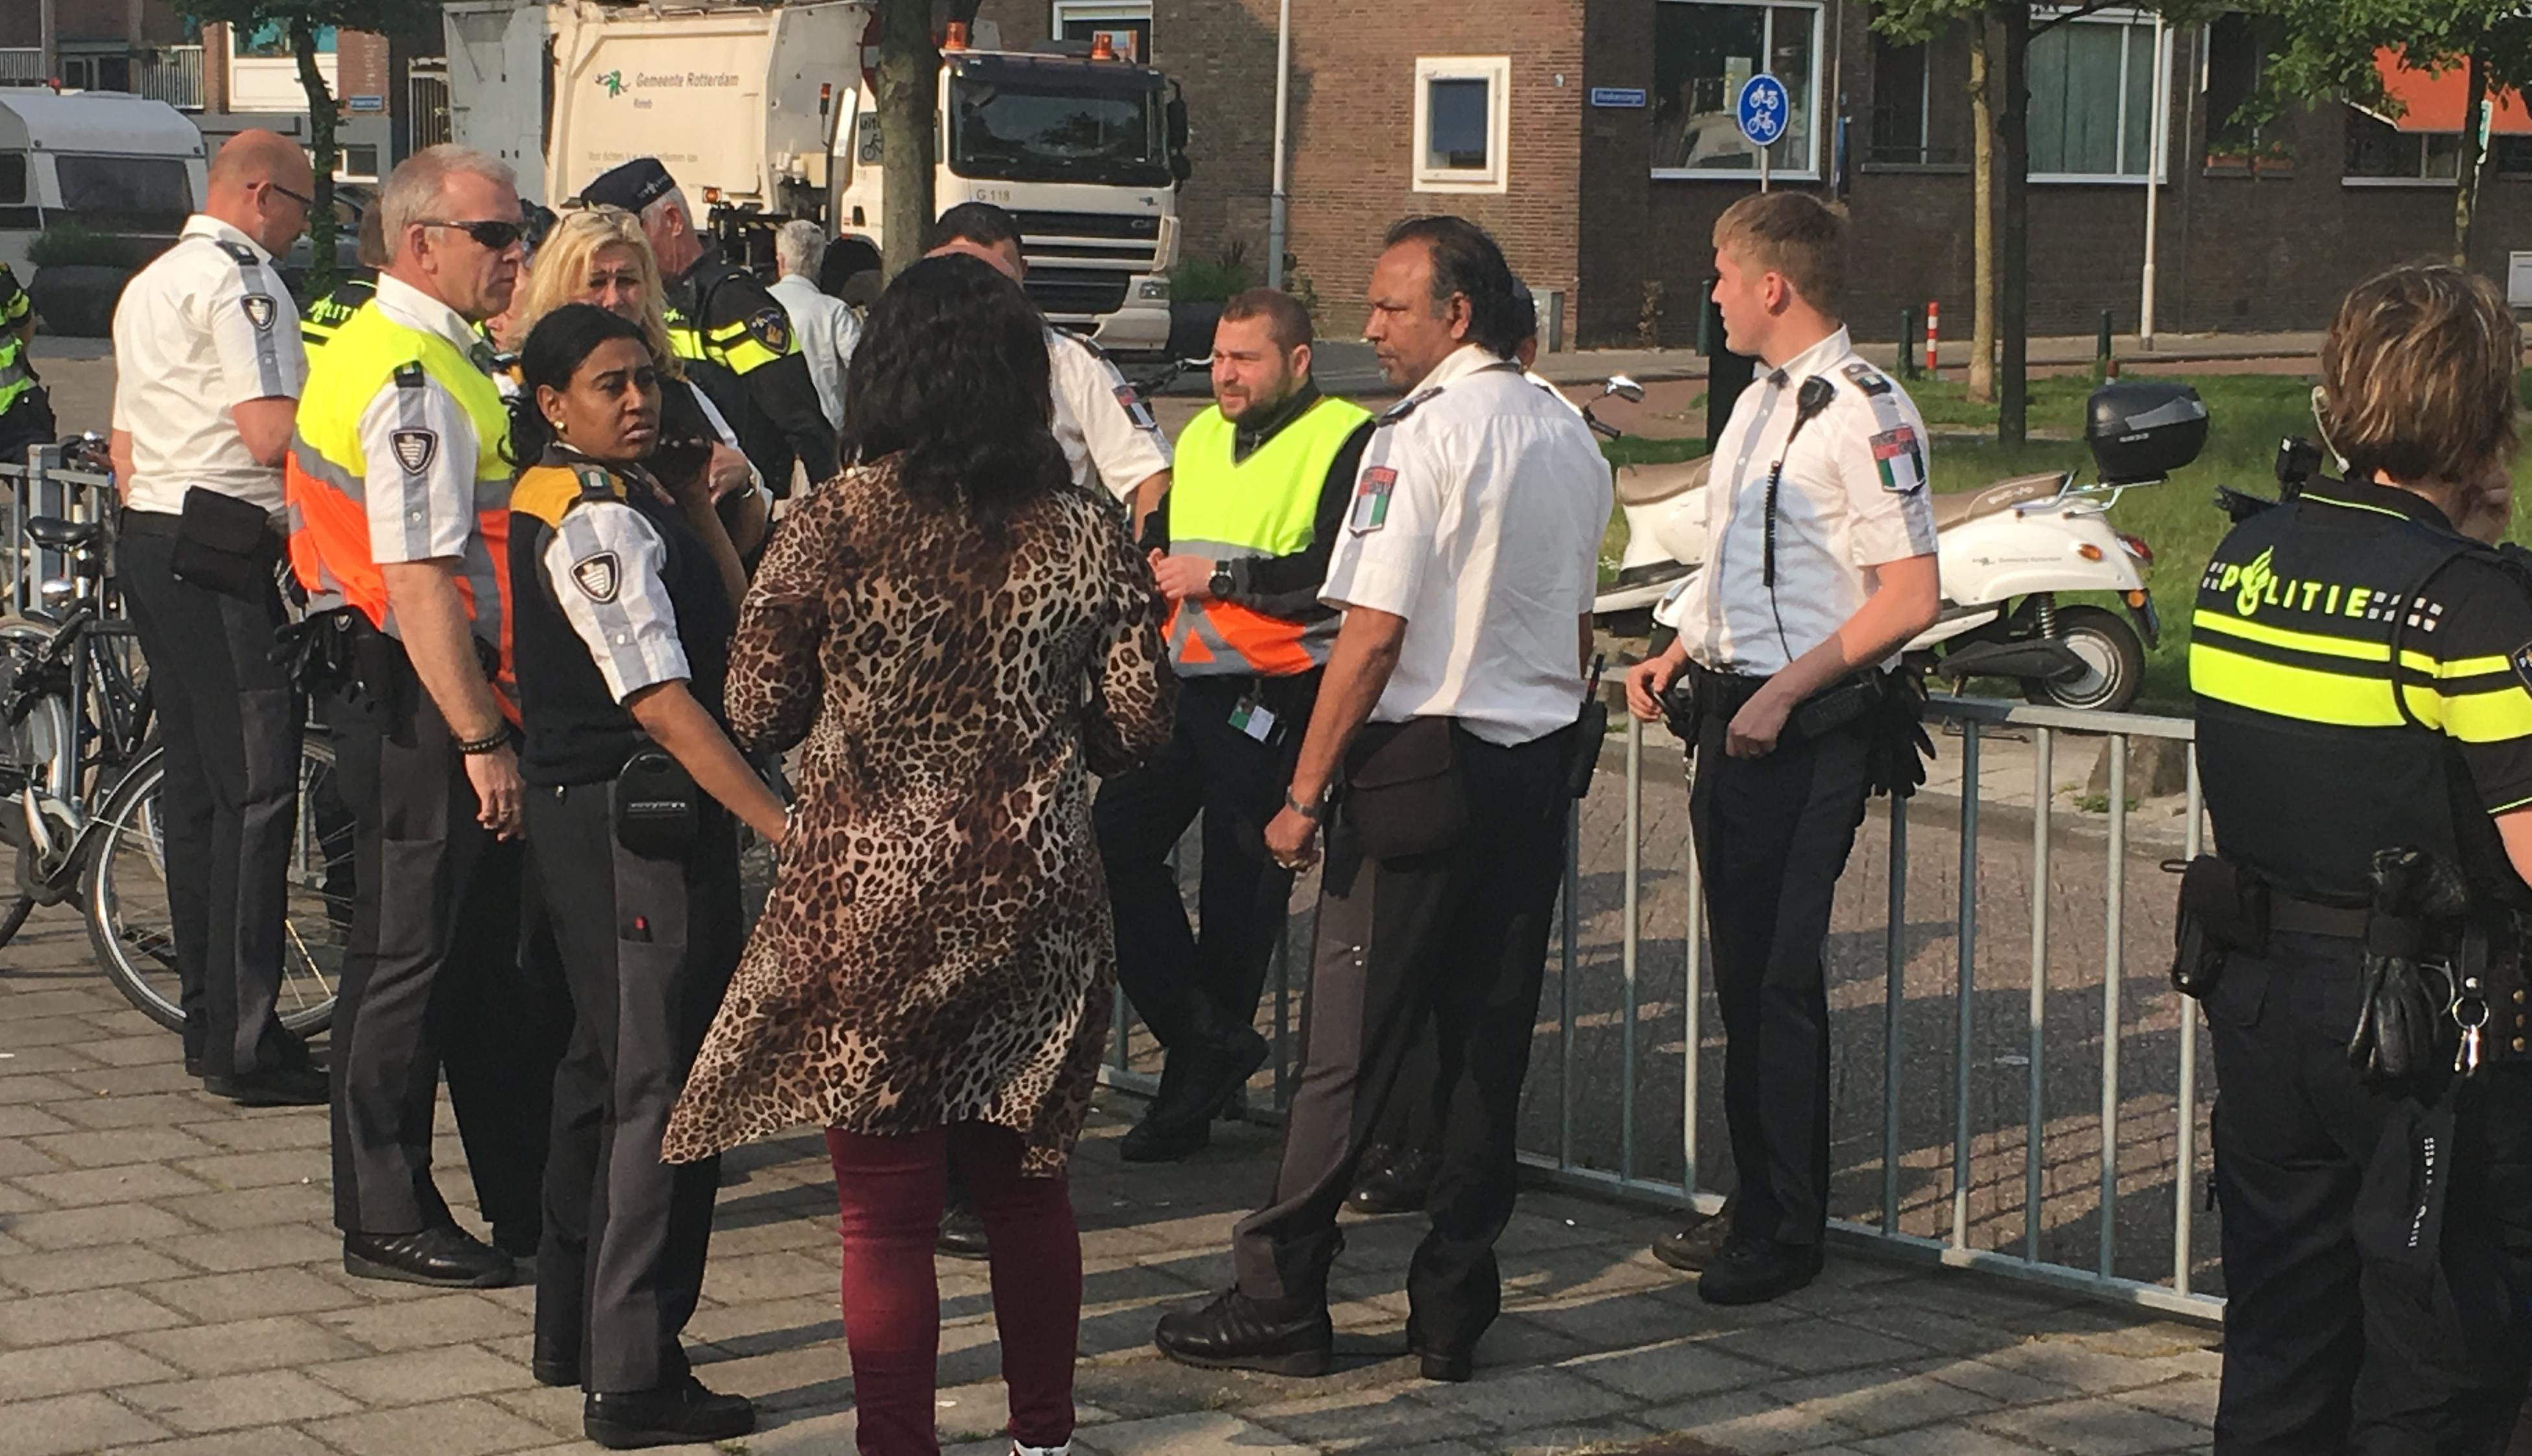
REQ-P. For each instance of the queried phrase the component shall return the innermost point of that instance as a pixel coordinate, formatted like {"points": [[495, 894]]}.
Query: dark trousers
{"points": [[433, 980], [230, 720], [1460, 936], [648, 947], [1773, 835], [27, 422], [1198, 985], [2352, 1322]]}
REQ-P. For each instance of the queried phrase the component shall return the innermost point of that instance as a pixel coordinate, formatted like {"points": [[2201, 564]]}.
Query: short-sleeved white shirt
{"points": [[1108, 436], [603, 567], [425, 512], [207, 325], [1478, 517], [1853, 497]]}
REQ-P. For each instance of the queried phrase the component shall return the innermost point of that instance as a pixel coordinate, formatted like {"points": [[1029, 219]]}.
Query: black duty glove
{"points": [[2404, 1013]]}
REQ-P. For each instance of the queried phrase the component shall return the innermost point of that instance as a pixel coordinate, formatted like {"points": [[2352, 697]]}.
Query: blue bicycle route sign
{"points": [[1763, 109]]}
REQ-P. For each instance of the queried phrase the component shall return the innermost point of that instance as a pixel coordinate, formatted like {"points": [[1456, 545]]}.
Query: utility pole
{"points": [[48, 39], [2159, 142], [1277, 219]]}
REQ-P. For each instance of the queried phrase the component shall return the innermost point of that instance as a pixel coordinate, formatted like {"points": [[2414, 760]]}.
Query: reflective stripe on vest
{"points": [[1266, 506], [16, 380], [326, 477]]}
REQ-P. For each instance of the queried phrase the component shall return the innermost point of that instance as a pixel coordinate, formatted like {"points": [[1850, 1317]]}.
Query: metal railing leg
{"points": [[2110, 974], [1965, 986], [2184, 1208], [2034, 1165], [1894, 995], [1573, 932], [1631, 942]]}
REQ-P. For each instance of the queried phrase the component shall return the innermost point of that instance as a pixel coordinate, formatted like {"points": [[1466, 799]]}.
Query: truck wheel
{"points": [[2113, 663]]}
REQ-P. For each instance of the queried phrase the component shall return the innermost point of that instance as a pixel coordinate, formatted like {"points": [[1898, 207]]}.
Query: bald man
{"points": [[208, 369]]}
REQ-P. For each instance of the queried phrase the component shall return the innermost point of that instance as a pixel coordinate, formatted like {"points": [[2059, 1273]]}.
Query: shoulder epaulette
{"points": [[411, 375], [1866, 377], [596, 484], [550, 492], [1409, 405], [239, 251]]}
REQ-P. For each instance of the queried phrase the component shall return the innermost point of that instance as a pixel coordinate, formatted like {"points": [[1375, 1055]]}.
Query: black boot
{"points": [[678, 1414], [1393, 1181], [963, 1231], [1197, 1081], [1287, 1337], [1753, 1271]]}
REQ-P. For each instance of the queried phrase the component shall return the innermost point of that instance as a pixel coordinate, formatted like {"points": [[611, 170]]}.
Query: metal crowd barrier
{"points": [[39, 486], [1652, 1155]]}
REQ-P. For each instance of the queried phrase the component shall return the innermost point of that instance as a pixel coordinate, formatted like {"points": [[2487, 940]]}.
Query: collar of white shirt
{"points": [[204, 225], [1466, 360], [1817, 358], [415, 308]]}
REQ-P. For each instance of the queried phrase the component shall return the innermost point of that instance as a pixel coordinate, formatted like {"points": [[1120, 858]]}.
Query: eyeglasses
{"points": [[492, 235], [305, 203]]}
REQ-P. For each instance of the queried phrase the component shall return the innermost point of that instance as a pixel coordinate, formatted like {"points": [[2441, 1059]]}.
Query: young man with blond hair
{"points": [[1821, 567]]}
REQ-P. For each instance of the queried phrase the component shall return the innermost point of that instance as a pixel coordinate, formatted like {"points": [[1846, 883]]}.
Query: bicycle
{"points": [[76, 730]]}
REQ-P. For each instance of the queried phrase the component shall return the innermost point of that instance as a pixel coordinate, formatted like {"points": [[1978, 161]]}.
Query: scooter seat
{"points": [[1956, 507], [1647, 484]]}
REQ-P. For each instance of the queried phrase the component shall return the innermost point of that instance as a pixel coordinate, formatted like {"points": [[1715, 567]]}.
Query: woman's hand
{"points": [[727, 471]]}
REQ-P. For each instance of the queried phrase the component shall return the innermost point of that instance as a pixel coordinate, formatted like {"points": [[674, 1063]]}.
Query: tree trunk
{"points": [[320, 147], [2012, 60], [909, 71], [2474, 154], [1982, 385]]}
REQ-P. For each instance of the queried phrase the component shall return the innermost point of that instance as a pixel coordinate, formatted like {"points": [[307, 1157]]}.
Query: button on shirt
{"points": [[1853, 497], [207, 325], [1108, 436], [429, 514], [1478, 517]]}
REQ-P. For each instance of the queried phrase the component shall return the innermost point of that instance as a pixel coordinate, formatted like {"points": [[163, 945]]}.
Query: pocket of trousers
{"points": [[1404, 796]]}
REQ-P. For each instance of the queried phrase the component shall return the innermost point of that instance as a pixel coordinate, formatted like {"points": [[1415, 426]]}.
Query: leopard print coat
{"points": [[938, 947]]}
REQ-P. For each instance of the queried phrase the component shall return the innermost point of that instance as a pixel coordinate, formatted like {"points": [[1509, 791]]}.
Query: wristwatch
{"points": [[1316, 813], [1219, 584]]}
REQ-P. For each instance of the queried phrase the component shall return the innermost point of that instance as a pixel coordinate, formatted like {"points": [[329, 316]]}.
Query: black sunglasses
{"points": [[303, 201], [492, 235]]}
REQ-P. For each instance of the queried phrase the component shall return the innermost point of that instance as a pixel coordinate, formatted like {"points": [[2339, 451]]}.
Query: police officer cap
{"points": [[633, 186]]}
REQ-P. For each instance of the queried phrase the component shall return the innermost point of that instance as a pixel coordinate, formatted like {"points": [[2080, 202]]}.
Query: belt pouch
{"points": [[1827, 712], [1403, 792], [223, 544], [1590, 730], [655, 805], [2221, 908]]}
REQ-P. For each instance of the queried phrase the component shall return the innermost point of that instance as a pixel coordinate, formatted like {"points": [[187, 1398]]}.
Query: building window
{"points": [[1130, 23], [1462, 123], [1702, 53], [2239, 49], [96, 72], [271, 40], [2092, 101], [356, 164], [2381, 154], [1920, 114]]}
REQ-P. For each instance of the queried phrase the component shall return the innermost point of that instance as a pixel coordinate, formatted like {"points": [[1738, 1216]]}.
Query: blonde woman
{"points": [[598, 255]]}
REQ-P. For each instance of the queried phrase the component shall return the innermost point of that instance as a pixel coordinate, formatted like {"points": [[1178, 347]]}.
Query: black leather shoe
{"points": [[1238, 1333], [271, 1086], [683, 1413], [1753, 1271], [553, 1370], [1695, 1249], [962, 1233], [192, 1064], [1398, 1184], [1455, 1368], [1152, 1141], [447, 1256]]}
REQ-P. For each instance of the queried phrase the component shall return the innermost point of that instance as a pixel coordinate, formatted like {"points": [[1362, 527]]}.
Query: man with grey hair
{"points": [[398, 481], [828, 328], [718, 313]]}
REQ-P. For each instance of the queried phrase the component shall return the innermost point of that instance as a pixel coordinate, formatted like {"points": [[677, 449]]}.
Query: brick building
{"points": [[1595, 138]]}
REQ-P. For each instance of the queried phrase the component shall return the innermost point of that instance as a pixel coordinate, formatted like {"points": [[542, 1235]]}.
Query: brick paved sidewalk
{"points": [[169, 1283]]}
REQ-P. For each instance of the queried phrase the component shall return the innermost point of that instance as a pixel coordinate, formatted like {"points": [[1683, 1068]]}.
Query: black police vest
{"points": [[2310, 763], [576, 732]]}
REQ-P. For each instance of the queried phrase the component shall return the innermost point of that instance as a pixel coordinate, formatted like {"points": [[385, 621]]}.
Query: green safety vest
{"points": [[1266, 506], [17, 376]]}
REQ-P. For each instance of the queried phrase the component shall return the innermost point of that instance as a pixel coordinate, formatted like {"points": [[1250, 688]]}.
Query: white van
{"points": [[118, 163]]}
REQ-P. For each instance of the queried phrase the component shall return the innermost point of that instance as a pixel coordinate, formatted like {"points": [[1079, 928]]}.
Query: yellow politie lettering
{"points": [[2254, 579]]}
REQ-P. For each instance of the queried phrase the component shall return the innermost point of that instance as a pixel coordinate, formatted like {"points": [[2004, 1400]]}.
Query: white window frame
{"points": [[1810, 170], [1093, 11], [2421, 138], [2157, 129], [1496, 73]]}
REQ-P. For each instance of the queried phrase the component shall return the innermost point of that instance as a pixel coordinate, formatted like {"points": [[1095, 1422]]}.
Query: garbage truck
{"points": [[766, 113]]}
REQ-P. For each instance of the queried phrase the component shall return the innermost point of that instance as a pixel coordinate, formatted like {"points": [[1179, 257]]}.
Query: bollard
{"points": [[1907, 343], [1933, 334], [1726, 374], [2103, 366]]}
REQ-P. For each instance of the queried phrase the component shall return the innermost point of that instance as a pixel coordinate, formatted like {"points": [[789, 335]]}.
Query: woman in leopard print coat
{"points": [[962, 637]]}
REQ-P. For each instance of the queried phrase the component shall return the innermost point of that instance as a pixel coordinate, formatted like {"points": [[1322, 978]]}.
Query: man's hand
{"points": [[1760, 722], [1646, 681], [1184, 579], [1292, 840], [499, 791]]}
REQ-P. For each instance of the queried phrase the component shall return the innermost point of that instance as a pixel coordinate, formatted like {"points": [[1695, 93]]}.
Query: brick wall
{"points": [[92, 20]]}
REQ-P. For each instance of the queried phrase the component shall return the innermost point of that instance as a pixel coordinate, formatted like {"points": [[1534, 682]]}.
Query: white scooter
{"points": [[2008, 550], [1665, 523]]}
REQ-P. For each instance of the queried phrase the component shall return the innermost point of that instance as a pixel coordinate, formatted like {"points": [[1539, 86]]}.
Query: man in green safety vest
{"points": [[26, 411], [1239, 545]]}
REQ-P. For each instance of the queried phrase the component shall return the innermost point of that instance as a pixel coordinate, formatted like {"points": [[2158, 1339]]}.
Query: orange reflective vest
{"points": [[1265, 505]]}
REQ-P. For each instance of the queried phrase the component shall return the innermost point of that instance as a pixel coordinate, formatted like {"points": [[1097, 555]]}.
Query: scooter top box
{"points": [[2144, 430]]}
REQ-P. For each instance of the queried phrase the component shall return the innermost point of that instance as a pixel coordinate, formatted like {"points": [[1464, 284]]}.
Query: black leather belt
{"points": [[2310, 917]]}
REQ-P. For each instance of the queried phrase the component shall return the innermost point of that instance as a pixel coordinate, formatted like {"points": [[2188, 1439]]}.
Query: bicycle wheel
{"points": [[126, 894]]}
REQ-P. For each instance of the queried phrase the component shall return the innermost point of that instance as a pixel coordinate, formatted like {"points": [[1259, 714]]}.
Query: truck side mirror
{"points": [[1178, 119], [1180, 167]]}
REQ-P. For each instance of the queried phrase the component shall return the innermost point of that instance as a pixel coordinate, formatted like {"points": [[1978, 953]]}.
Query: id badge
{"points": [[1255, 718]]}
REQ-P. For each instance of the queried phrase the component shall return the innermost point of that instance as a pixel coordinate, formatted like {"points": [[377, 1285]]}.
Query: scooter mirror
{"points": [[1625, 388]]}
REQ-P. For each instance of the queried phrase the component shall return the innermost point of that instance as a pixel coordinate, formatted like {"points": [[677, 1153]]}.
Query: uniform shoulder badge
{"points": [[1371, 499], [596, 484], [1866, 377], [1135, 410], [2520, 659], [1900, 459], [598, 575], [410, 375], [259, 308], [415, 449], [771, 327], [1408, 406]]}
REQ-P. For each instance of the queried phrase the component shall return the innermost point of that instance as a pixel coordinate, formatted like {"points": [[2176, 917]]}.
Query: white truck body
{"points": [[111, 161], [768, 109]]}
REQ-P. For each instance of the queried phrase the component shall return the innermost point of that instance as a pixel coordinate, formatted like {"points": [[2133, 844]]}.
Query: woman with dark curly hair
{"points": [[962, 637]]}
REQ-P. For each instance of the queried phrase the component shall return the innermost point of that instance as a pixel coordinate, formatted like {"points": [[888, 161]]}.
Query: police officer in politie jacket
{"points": [[721, 317], [399, 487], [1822, 566], [2361, 663], [1241, 547]]}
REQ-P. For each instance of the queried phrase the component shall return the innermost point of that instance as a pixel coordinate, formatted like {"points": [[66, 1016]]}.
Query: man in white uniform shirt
{"points": [[828, 328], [1823, 567], [208, 369], [1466, 573]]}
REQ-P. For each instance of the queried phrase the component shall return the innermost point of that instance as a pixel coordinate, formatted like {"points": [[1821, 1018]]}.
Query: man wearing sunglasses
{"points": [[399, 485], [207, 377]]}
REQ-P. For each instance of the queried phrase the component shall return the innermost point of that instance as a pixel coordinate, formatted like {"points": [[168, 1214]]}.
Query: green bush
{"points": [[70, 245], [1211, 281]]}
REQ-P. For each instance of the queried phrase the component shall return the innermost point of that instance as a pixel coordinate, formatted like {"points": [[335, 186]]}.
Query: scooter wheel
{"points": [[2113, 663]]}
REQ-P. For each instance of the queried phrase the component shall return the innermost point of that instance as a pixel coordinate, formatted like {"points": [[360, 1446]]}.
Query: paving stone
{"points": [[269, 1131], [1812, 1345], [456, 1428], [2192, 1400], [257, 1169], [52, 1318], [1563, 1440], [257, 1249], [255, 1207], [33, 1073], [1520, 1399], [25, 1119], [18, 1156], [72, 1423], [1882, 1400], [1661, 1373], [1196, 1433], [1378, 1416], [228, 1402], [252, 1294], [456, 1317], [131, 1184], [268, 1344], [2076, 1366], [417, 1377], [1748, 1422], [557, 1411], [82, 1364], [90, 1109], [268, 1441], [150, 1051], [88, 1268], [106, 1148], [127, 1223], [68, 1002], [748, 1279], [58, 1031], [2095, 1428]]}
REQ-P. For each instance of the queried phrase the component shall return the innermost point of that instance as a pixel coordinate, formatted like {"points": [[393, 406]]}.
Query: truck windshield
{"points": [[1017, 133]]}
